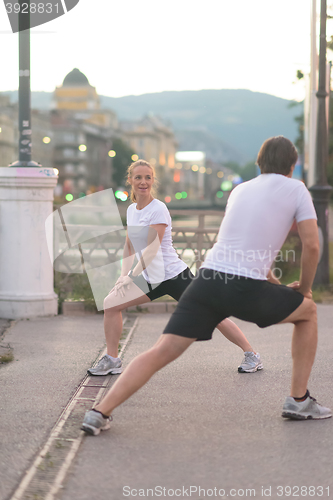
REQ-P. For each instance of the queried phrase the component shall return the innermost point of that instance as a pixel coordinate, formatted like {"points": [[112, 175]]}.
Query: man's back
{"points": [[258, 218]]}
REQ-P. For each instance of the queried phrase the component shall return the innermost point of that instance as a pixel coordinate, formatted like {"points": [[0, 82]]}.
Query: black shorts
{"points": [[214, 296], [174, 287]]}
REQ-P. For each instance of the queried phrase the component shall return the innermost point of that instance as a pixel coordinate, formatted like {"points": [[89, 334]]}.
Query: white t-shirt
{"points": [[166, 264], [258, 217]]}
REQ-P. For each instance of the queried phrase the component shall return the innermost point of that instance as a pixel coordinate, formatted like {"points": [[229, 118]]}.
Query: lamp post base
{"points": [[26, 272], [20, 306]]}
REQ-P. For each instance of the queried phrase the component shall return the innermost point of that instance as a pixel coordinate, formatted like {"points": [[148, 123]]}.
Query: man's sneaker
{"points": [[251, 363], [94, 423], [106, 366], [304, 410]]}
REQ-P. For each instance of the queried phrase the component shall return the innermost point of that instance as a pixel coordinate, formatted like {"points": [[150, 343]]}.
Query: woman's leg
{"points": [[231, 331], [113, 321], [142, 368]]}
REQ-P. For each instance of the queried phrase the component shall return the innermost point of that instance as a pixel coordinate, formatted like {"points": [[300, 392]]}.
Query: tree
{"points": [[249, 171], [121, 161]]}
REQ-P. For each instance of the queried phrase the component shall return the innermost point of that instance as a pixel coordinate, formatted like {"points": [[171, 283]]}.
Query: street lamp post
{"points": [[26, 201], [321, 191], [24, 88]]}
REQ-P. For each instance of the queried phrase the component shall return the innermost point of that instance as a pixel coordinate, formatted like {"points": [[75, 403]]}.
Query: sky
{"points": [[127, 47]]}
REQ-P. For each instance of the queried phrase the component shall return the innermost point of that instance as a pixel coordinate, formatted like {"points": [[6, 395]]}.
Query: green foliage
{"points": [[299, 74], [288, 261], [73, 287], [299, 142], [249, 171], [330, 145], [121, 161]]}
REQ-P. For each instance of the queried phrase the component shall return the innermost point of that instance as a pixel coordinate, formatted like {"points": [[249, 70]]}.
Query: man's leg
{"points": [[142, 368], [303, 346]]}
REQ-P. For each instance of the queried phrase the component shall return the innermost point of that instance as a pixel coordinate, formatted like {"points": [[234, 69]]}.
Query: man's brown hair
{"points": [[276, 156]]}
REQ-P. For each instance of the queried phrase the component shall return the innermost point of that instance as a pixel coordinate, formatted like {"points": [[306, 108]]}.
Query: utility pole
{"points": [[321, 191]]}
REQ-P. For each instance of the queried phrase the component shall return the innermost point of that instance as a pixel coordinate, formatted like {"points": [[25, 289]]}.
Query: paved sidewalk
{"points": [[51, 356], [197, 423]]}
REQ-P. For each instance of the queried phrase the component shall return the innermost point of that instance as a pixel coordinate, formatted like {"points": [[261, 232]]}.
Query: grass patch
{"points": [[7, 357]]}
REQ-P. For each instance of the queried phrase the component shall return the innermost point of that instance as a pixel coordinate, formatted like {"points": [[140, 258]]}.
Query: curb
{"points": [[78, 308], [154, 308]]}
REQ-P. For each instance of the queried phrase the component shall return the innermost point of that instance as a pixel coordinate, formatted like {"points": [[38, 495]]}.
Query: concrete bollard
{"points": [[26, 273]]}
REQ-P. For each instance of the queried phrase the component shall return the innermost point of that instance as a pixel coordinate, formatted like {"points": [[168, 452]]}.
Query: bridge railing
{"points": [[194, 232]]}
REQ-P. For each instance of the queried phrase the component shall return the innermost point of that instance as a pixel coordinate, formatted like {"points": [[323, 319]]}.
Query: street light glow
{"points": [[112, 153], [83, 147], [46, 140]]}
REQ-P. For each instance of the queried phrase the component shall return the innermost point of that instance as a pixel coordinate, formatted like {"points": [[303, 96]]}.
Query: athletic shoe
{"points": [[94, 423], [305, 410], [251, 363], [106, 366]]}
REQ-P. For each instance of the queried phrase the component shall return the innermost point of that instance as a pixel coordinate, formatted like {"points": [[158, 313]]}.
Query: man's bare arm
{"points": [[272, 278], [308, 232]]}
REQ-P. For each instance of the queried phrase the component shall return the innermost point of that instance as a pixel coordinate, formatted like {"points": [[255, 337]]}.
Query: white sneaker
{"points": [[106, 366], [308, 409], [94, 423], [251, 363]]}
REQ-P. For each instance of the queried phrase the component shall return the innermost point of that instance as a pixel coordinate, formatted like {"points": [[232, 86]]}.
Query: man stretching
{"points": [[236, 280]]}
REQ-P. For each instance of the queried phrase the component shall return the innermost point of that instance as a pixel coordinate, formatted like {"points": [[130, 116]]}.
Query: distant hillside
{"points": [[227, 124]]}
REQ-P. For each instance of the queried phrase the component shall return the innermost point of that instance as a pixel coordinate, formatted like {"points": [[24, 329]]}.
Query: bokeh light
{"points": [[178, 196], [82, 148], [219, 194], [56, 171], [120, 195], [184, 194], [195, 168], [134, 157], [112, 153], [167, 199], [202, 170], [226, 186], [220, 174], [46, 140], [69, 197]]}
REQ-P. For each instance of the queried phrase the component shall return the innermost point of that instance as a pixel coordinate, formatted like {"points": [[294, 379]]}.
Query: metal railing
{"points": [[192, 238]]}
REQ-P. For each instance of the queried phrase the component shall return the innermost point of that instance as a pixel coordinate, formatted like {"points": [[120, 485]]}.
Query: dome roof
{"points": [[75, 78]]}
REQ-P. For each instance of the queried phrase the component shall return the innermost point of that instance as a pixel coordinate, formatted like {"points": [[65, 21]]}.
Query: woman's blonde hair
{"points": [[141, 163]]}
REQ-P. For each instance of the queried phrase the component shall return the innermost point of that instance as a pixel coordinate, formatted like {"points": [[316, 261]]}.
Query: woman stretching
{"points": [[159, 271]]}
